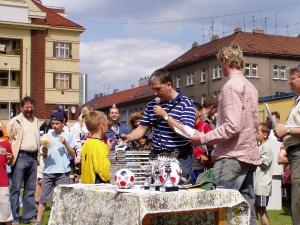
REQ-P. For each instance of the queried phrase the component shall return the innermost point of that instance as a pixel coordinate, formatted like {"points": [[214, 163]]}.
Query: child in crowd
{"points": [[263, 173], [6, 158], [95, 164], [80, 134], [144, 143], [56, 149], [286, 177], [202, 159]]}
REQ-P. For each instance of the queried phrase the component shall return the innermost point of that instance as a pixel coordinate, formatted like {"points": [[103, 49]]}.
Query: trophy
{"points": [[148, 169], [156, 171], [169, 185]]}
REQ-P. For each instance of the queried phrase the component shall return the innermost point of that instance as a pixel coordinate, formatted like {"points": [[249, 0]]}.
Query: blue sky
{"points": [[128, 39]]}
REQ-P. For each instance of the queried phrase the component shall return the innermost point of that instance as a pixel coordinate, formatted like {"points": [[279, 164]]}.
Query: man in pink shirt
{"points": [[236, 153]]}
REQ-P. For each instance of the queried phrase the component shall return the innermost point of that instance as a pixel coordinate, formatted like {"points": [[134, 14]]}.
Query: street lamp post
{"points": [[9, 107]]}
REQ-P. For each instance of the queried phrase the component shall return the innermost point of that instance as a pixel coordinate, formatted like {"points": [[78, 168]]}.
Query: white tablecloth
{"points": [[105, 205]]}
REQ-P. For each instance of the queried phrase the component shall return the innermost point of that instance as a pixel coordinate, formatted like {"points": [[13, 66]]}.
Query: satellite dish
{"points": [[73, 109]]}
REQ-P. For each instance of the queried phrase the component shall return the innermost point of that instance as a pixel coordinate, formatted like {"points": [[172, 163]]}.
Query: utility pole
{"points": [[276, 28], [212, 28], [253, 22], [265, 23]]}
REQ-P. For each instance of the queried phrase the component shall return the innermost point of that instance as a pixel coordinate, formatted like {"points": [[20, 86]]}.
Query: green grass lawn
{"points": [[280, 217], [46, 216], [277, 217]]}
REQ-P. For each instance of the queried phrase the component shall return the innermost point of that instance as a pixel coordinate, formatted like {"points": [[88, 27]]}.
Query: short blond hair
{"points": [[94, 119], [233, 54]]}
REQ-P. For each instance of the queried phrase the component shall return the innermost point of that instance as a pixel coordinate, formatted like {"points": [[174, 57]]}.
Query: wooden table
{"points": [[106, 205]]}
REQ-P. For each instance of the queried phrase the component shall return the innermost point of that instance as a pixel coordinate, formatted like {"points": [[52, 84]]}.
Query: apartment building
{"points": [[267, 62], [39, 57]]}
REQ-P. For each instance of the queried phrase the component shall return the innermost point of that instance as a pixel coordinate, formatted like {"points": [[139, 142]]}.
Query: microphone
{"points": [[157, 100]]}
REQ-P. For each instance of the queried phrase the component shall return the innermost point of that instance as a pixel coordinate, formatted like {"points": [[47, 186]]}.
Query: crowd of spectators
{"points": [[226, 139]]}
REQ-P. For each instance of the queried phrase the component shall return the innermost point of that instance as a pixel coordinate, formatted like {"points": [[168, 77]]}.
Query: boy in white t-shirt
{"points": [[263, 173]]}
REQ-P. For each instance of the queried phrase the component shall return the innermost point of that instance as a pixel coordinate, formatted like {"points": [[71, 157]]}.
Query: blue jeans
{"points": [[24, 170], [234, 174]]}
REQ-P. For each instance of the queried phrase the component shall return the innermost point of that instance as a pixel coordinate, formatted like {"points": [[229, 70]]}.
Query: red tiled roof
{"points": [[53, 18], [251, 43], [122, 97]]}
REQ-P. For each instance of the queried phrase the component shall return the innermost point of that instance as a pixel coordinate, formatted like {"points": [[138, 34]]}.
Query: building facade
{"points": [[267, 61], [39, 57]]}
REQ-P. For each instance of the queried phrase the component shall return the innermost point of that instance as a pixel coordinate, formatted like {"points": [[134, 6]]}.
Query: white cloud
{"points": [[119, 63], [107, 13]]}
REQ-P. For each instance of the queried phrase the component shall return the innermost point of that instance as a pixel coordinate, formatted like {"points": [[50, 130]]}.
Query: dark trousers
{"points": [[294, 160], [24, 170]]}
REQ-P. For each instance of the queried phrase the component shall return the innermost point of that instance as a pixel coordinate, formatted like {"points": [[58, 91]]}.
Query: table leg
{"points": [[220, 216]]}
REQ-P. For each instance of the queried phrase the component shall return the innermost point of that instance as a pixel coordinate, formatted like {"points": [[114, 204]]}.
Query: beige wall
{"points": [[14, 93], [57, 65]]}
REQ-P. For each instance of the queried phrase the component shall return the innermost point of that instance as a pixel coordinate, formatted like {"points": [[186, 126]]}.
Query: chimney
{"points": [[237, 29], [195, 44], [96, 96], [101, 94], [215, 37], [258, 31], [116, 91]]}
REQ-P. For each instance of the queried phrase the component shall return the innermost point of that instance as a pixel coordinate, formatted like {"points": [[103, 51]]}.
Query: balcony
{"points": [[9, 46]]}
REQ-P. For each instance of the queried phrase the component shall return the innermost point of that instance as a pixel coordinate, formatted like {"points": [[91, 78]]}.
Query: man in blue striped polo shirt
{"points": [[168, 108]]}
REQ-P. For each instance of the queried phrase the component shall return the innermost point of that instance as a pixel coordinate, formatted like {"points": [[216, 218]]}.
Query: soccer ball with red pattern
{"points": [[124, 178]]}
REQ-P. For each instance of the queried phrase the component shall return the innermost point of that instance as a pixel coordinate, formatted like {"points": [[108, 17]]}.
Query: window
{"points": [[3, 106], [251, 70], [9, 46], [275, 72], [254, 70], [216, 72], [203, 76], [3, 78], [279, 72], [62, 50], [177, 82], [62, 81], [216, 94], [202, 99], [282, 72], [190, 79]]}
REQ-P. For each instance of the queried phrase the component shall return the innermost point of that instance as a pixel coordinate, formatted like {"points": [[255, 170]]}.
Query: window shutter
{"points": [[54, 76], [70, 50], [54, 49], [70, 81]]}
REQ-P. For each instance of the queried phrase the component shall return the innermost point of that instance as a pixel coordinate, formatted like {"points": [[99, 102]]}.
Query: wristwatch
{"points": [[288, 131], [166, 117]]}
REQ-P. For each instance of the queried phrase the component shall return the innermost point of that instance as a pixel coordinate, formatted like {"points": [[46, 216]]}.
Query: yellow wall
{"points": [[14, 94], [68, 97], [283, 106], [56, 65]]}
